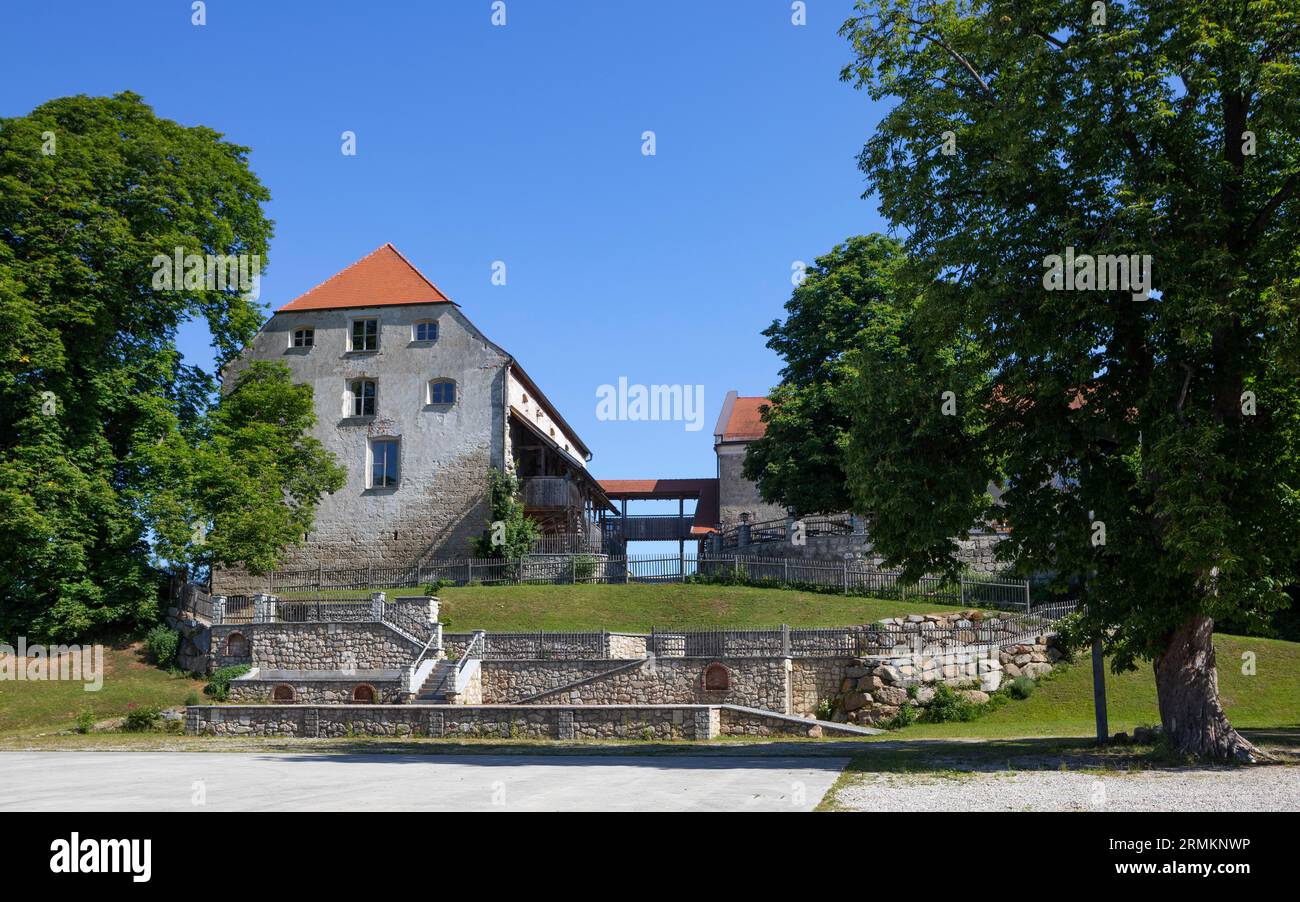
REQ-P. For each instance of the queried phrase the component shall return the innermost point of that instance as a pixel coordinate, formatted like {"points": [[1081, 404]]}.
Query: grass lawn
{"points": [[53, 705], [1062, 703], [637, 608]]}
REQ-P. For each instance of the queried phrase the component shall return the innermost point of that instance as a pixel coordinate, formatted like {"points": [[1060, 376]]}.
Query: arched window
{"points": [[442, 392], [364, 694], [424, 330], [717, 678], [282, 693], [237, 645]]}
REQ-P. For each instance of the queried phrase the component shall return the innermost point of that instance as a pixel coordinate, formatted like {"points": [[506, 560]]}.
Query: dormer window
{"points": [[425, 330], [304, 338], [363, 392], [364, 335], [442, 392]]}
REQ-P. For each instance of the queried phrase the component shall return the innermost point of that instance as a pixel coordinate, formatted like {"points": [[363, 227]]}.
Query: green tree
{"points": [[510, 531], [246, 487], [92, 190], [799, 461], [1169, 128]]}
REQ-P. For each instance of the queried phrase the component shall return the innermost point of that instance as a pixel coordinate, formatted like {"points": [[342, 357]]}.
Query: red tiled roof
{"points": [[745, 421], [382, 278]]}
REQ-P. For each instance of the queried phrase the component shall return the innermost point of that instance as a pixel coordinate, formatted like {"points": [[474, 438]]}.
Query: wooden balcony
{"points": [[651, 527], [551, 493]]}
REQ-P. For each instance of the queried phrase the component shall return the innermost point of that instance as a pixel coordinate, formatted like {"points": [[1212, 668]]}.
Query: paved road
{"points": [[170, 781]]}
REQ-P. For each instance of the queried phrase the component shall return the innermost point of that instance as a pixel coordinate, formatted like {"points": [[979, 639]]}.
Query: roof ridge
{"points": [[353, 265], [415, 269]]}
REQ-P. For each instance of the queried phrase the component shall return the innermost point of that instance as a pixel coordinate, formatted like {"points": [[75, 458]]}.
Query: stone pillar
{"points": [[564, 725], [218, 610], [262, 608], [742, 532], [377, 606]]}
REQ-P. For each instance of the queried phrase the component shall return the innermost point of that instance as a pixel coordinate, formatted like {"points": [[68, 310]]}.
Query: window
{"points": [[364, 694], [363, 397], [383, 463], [442, 391], [304, 338], [426, 330], [365, 335], [282, 693]]}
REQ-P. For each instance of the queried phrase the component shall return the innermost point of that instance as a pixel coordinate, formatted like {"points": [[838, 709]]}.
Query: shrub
{"points": [[948, 706], [1021, 688], [161, 645], [142, 719], [219, 687], [85, 721], [825, 709], [905, 717], [193, 698], [584, 568]]}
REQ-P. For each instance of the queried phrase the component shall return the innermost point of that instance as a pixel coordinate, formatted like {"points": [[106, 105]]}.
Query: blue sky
{"points": [[522, 144]]}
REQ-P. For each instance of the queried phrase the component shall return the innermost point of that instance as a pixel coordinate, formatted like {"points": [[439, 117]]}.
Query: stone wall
{"points": [[440, 721], [753, 682], [315, 646], [976, 552], [256, 691]]}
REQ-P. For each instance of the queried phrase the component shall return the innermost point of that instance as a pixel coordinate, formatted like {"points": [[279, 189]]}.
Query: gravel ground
{"points": [[1254, 789]]}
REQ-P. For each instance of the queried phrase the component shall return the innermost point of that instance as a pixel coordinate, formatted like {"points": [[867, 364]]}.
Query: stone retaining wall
{"points": [[315, 646], [440, 721], [313, 692]]}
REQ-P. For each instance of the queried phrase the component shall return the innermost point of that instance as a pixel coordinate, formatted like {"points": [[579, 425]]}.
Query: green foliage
{"points": [[90, 378], [1020, 688], [219, 685], [949, 705], [799, 461], [510, 531], [253, 478], [85, 721], [825, 709], [584, 567], [160, 645], [142, 719], [193, 698], [1091, 406], [905, 717]]}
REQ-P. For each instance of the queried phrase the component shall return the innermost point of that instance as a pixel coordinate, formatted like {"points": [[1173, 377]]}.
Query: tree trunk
{"points": [[1187, 685]]}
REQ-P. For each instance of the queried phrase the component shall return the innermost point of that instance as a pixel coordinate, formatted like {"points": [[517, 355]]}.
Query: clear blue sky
{"points": [[520, 143]]}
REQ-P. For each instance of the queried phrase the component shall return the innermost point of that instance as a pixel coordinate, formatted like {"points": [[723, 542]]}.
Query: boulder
{"points": [[924, 695], [888, 673], [1034, 671], [855, 700], [890, 695], [974, 695], [991, 680]]}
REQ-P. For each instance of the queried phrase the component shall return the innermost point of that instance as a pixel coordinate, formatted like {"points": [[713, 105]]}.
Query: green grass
{"points": [[637, 608], [29, 707], [1062, 703]]}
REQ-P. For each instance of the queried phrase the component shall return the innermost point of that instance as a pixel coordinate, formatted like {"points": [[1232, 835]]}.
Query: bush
{"points": [[825, 709], [1021, 688], [142, 719], [905, 717], [219, 687], [584, 568], [85, 721], [161, 645], [193, 698], [948, 706]]}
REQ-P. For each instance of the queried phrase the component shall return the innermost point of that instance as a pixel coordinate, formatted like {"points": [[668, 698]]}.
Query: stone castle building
{"points": [[418, 405], [739, 423]]}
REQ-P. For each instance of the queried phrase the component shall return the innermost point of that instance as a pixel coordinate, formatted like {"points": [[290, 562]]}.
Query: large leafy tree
{"points": [[1168, 128], [245, 484], [92, 190], [799, 461]]}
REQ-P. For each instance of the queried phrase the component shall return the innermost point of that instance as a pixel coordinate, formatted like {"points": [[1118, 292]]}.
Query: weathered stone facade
{"points": [[976, 552], [316, 689], [314, 646]]}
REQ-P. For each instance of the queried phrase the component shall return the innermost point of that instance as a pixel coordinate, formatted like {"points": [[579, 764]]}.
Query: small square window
{"points": [[442, 391], [383, 463], [304, 338], [426, 331], [365, 335]]}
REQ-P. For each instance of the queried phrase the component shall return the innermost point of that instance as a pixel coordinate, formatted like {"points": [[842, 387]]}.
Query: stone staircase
{"points": [[437, 685]]}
